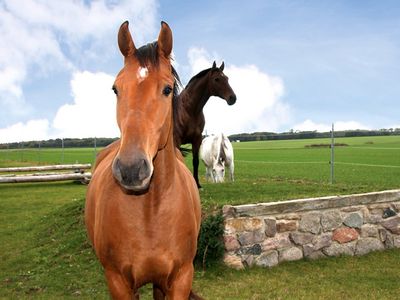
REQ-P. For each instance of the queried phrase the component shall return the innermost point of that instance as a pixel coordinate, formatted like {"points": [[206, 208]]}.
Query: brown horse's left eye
{"points": [[167, 90]]}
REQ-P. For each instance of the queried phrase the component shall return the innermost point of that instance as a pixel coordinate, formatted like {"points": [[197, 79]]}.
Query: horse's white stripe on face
{"points": [[142, 73]]}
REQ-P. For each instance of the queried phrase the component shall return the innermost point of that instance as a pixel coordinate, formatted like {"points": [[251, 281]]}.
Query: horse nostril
{"points": [[143, 169]]}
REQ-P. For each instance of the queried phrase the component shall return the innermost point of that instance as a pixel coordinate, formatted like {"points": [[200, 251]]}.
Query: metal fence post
{"points": [[39, 158], [332, 155], [22, 151], [62, 151]]}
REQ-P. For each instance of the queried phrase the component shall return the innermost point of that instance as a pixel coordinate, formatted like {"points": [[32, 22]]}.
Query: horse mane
{"points": [[199, 75], [148, 54]]}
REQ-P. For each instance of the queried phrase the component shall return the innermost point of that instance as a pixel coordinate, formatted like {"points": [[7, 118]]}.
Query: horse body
{"points": [[217, 153], [142, 205], [189, 119]]}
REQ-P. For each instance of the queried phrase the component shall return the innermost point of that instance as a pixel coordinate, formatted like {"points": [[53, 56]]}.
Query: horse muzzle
{"points": [[134, 176], [231, 100]]}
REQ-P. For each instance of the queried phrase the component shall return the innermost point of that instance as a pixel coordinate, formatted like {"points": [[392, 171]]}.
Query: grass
{"points": [[44, 251]]}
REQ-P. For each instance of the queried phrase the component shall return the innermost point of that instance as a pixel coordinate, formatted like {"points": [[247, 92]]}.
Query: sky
{"points": [[294, 65]]}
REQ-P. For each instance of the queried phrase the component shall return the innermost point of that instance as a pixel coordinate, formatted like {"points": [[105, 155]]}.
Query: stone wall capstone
{"points": [[266, 234]]}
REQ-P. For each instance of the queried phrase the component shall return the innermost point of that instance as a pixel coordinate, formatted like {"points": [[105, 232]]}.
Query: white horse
{"points": [[217, 153]]}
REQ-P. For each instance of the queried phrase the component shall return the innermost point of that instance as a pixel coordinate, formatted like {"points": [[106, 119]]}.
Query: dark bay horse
{"points": [[142, 205], [188, 112]]}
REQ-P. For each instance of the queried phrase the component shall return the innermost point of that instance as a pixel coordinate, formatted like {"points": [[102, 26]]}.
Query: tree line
{"points": [[58, 143], [242, 137], [264, 136]]}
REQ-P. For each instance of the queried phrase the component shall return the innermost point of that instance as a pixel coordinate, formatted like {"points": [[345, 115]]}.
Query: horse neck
{"points": [[196, 95], [165, 163]]}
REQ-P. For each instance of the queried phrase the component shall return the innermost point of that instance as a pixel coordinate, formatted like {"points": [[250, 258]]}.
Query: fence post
{"points": [[62, 151], [22, 151], [39, 158], [332, 155]]}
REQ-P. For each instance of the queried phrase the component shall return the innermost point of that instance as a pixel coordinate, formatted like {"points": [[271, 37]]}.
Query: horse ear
{"points": [[165, 39], [125, 41], [214, 65], [222, 66]]}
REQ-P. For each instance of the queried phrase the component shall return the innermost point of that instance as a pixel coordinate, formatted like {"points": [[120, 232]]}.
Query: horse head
{"points": [[144, 88], [219, 84]]}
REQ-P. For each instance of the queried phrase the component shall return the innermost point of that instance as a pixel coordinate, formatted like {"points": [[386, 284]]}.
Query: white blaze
{"points": [[142, 73]]}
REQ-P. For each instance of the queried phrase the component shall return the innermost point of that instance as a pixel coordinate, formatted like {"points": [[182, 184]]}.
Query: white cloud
{"points": [[29, 131], [39, 37], [93, 112], [309, 125], [259, 105]]}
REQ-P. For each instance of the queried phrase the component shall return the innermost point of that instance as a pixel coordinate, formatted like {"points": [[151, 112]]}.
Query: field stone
{"points": [[286, 225], [270, 227], [396, 206], [322, 240], [336, 249], [369, 230], [301, 238], [331, 220], [310, 222], [254, 250], [267, 259], [388, 212], [231, 243], [292, 216], [373, 219], [308, 249], [316, 255], [396, 241], [243, 224], [252, 237], [290, 254], [354, 220], [366, 245], [392, 224], [389, 241], [280, 240], [249, 260], [344, 235], [234, 262]]}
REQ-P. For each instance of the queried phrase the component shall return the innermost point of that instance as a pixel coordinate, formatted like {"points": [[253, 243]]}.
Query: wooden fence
{"points": [[60, 173]]}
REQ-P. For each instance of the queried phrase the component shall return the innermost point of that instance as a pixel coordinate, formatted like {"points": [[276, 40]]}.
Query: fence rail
{"points": [[75, 172]]}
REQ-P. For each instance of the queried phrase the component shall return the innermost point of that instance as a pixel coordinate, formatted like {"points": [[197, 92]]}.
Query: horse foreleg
{"points": [[119, 288], [195, 153], [182, 284], [231, 169], [158, 294]]}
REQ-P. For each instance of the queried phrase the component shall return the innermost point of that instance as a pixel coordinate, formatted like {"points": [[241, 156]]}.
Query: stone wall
{"points": [[266, 234]]}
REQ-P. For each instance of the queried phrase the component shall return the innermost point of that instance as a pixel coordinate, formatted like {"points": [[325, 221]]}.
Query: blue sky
{"points": [[293, 64]]}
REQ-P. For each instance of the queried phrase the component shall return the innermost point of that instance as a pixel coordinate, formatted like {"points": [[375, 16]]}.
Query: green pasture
{"points": [[44, 252]]}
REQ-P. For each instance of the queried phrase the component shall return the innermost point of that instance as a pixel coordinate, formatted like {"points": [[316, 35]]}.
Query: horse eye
{"points": [[167, 90], [217, 79], [115, 90]]}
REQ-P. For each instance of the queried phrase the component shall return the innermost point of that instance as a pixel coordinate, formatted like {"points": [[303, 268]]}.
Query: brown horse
{"points": [[188, 113], [142, 205]]}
